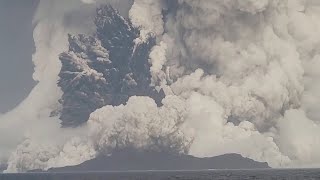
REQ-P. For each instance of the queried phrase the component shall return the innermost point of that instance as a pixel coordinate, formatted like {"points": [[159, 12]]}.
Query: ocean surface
{"points": [[272, 174]]}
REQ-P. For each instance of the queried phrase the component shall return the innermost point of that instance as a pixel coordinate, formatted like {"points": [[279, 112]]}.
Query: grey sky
{"points": [[16, 48]]}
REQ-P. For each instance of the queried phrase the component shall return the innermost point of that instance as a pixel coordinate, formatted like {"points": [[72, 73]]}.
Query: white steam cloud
{"points": [[240, 77], [247, 71]]}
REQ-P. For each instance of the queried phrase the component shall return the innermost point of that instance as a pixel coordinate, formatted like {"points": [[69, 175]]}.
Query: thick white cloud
{"points": [[140, 124], [299, 138], [255, 60], [147, 15], [31, 154]]}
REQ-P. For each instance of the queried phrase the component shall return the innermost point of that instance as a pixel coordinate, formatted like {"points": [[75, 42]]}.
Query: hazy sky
{"points": [[16, 48]]}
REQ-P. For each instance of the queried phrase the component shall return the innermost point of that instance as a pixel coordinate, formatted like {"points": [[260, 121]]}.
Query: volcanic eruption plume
{"points": [[203, 78]]}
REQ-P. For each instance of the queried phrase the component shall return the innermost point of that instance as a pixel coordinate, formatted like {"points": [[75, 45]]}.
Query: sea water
{"points": [[265, 174]]}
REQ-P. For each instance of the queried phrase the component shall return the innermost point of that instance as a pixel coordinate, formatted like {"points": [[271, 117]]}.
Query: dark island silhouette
{"points": [[131, 160]]}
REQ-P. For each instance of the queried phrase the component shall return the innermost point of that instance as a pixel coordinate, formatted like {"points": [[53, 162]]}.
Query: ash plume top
{"points": [[104, 69]]}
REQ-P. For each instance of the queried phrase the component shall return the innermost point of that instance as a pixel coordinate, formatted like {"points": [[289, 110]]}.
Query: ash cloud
{"points": [[239, 77], [251, 58]]}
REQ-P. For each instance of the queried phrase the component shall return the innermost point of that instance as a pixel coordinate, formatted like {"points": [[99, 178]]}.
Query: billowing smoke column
{"points": [[246, 67], [240, 76]]}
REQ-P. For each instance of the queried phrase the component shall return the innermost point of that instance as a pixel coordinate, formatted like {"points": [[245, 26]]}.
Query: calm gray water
{"points": [[272, 174]]}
